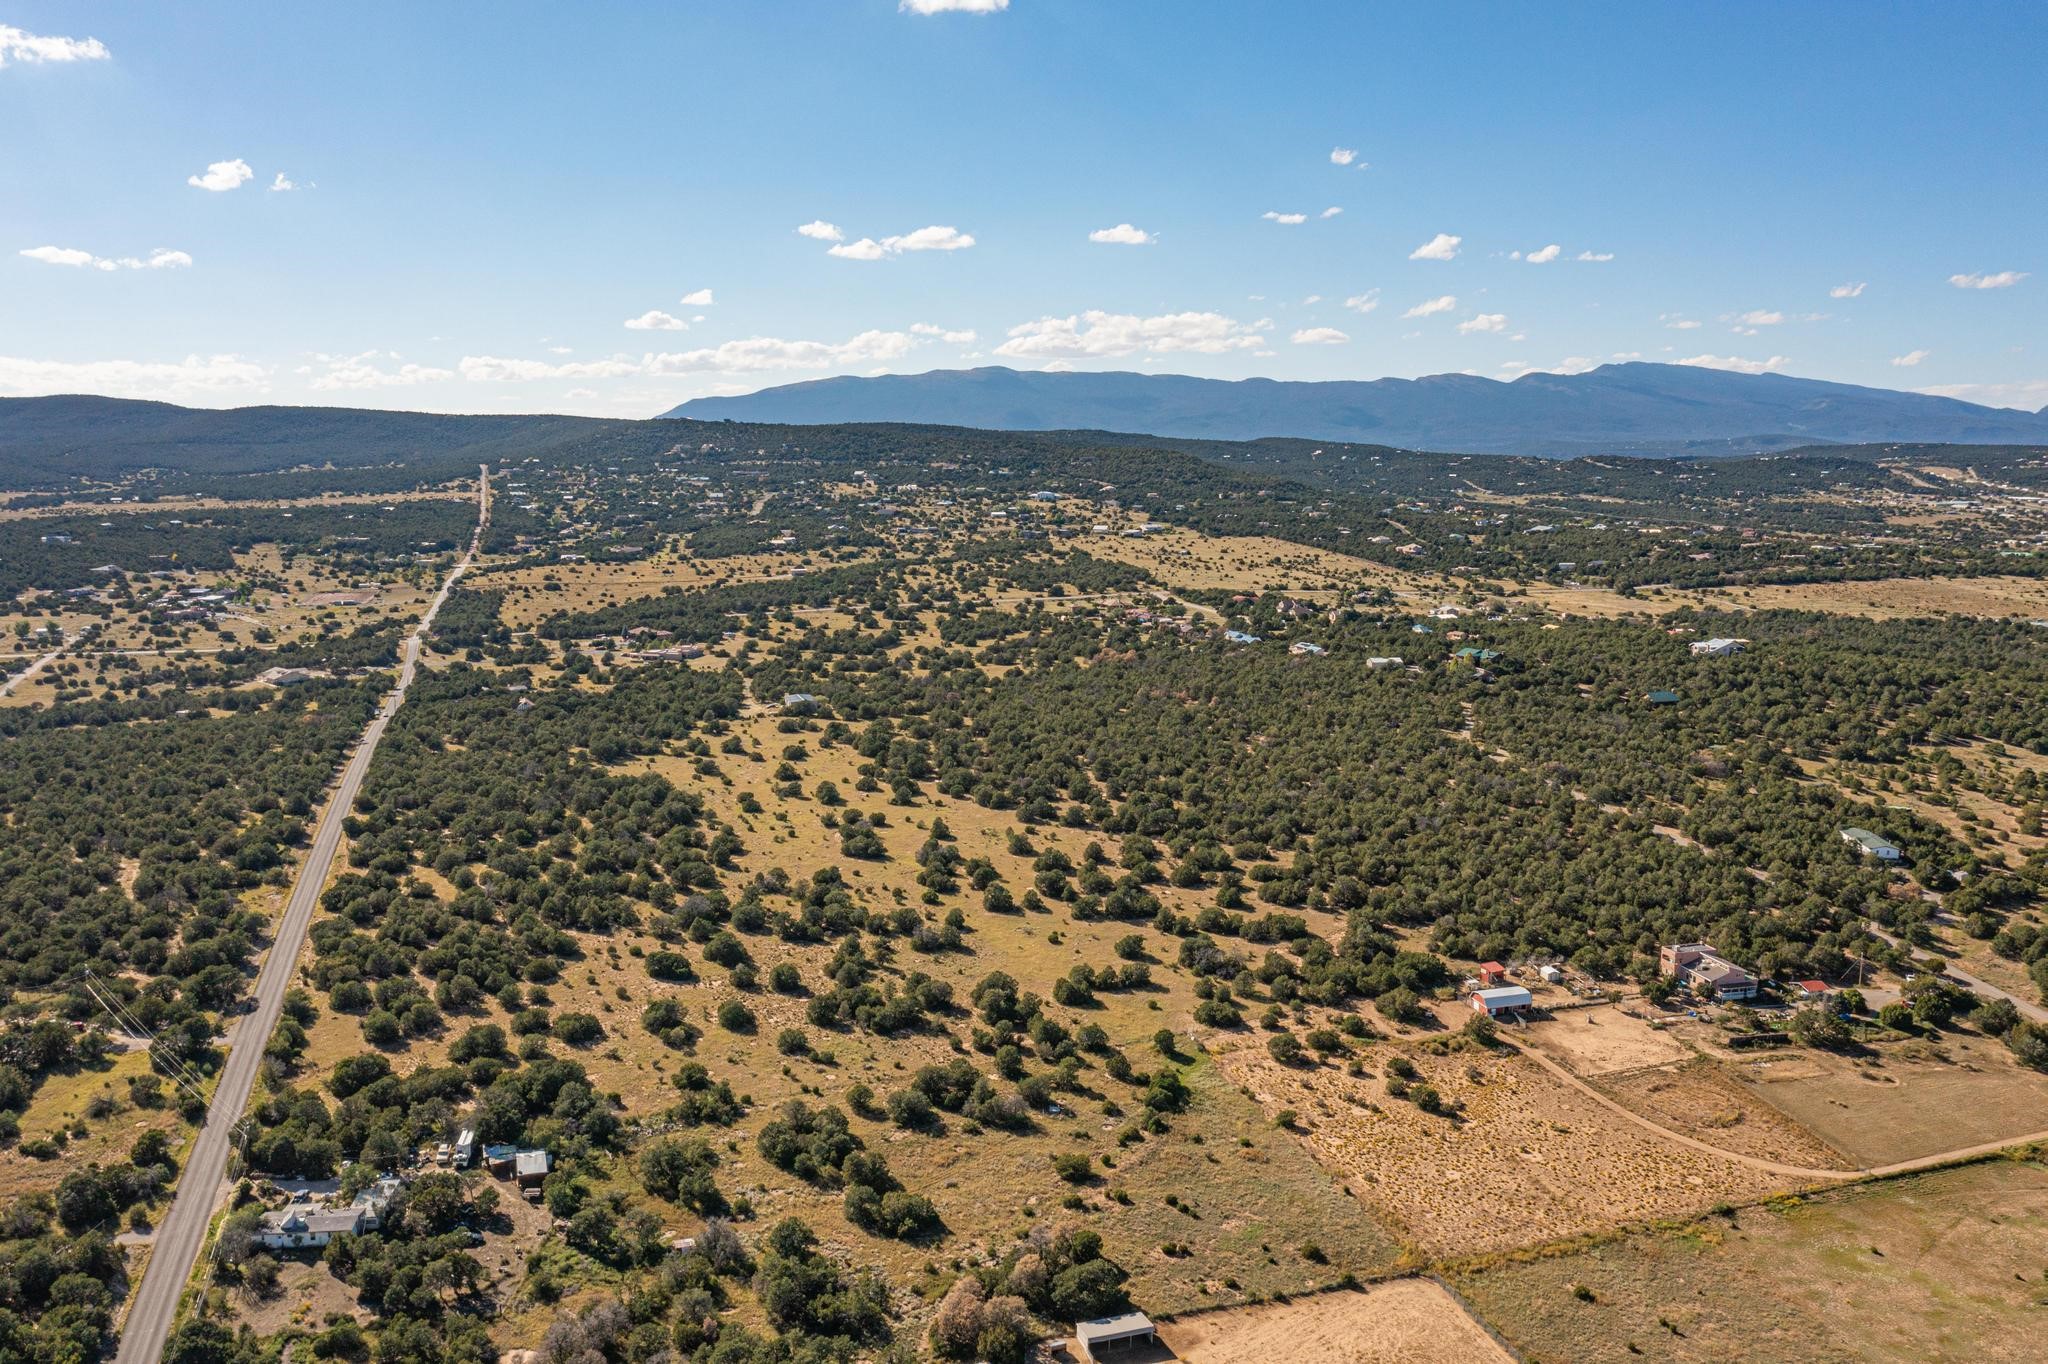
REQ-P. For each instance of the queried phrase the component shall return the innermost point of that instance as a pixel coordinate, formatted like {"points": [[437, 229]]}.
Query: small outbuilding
{"points": [[1492, 973], [1502, 999], [1099, 1339]]}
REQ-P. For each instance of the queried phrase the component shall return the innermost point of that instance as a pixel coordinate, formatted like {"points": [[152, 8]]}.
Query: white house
{"points": [[1716, 648], [1870, 844]]}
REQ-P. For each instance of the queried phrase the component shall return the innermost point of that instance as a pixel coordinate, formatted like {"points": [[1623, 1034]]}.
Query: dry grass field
{"points": [[1908, 1100], [1940, 1266], [1188, 560], [1404, 1321], [1527, 1158], [584, 587]]}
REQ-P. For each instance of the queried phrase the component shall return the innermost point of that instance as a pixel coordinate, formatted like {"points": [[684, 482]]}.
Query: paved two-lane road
{"points": [[183, 1231]]}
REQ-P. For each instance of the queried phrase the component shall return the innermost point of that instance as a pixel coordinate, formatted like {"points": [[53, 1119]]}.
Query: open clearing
{"points": [[1407, 1321], [1908, 1100], [1946, 1265], [1528, 1159], [1254, 563]]}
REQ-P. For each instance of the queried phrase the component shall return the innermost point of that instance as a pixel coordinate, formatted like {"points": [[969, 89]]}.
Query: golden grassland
{"points": [[1944, 1265], [1402, 1321]]}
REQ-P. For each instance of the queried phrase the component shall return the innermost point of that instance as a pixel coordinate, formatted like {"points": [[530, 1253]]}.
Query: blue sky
{"points": [[483, 197]]}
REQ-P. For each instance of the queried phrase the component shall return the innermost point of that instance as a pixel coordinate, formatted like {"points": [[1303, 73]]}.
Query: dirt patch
{"points": [[1700, 1099], [1408, 1321], [1601, 1041]]}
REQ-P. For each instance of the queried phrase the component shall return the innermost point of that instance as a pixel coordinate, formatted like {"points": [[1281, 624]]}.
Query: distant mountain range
{"points": [[1640, 409]]}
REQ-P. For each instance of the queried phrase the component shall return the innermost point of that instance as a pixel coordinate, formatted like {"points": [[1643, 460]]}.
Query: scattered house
{"points": [[1698, 967], [288, 677], [1809, 991], [1552, 975], [530, 1169], [498, 1160], [1383, 663], [1871, 845], [1106, 1334], [1662, 698], [1305, 648], [1240, 637], [1501, 999], [799, 702], [1492, 973], [1472, 656], [1045, 496], [307, 1226], [1716, 648], [56, 539]]}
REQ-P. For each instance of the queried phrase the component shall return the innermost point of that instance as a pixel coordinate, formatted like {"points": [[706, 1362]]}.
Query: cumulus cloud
{"points": [[363, 371], [1758, 317], [282, 184], [159, 259], [1123, 234], [1443, 246], [1737, 363], [655, 320], [696, 298], [952, 6], [1910, 358], [1097, 333], [820, 230], [1433, 307], [1319, 336], [938, 333], [31, 49], [1330, 212], [498, 369], [2004, 279], [933, 238], [1848, 290], [1677, 323], [1483, 322], [222, 176], [1343, 156], [1290, 219], [1544, 255], [2029, 395], [1363, 303], [1594, 256], [193, 377]]}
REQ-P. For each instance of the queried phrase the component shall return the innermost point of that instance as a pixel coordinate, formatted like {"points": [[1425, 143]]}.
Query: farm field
{"points": [[1945, 1265], [1402, 1321]]}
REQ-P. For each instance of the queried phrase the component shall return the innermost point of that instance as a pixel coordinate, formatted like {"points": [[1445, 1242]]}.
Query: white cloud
{"points": [[1544, 256], [1595, 256], [1330, 212], [1433, 307], [159, 259], [31, 49], [1319, 336], [193, 377], [1483, 322], [1342, 156], [952, 6], [1910, 358], [655, 320], [820, 230], [1757, 317], [1363, 303], [1443, 246], [933, 238], [361, 371], [2029, 395], [282, 184], [938, 333], [1737, 363], [1848, 290], [222, 176], [1677, 323], [1289, 219], [1097, 333], [733, 357], [2004, 279], [696, 298], [1123, 234]]}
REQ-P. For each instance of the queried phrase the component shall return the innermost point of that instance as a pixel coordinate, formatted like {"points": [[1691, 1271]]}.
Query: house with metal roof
{"points": [[1870, 845], [1100, 1339]]}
